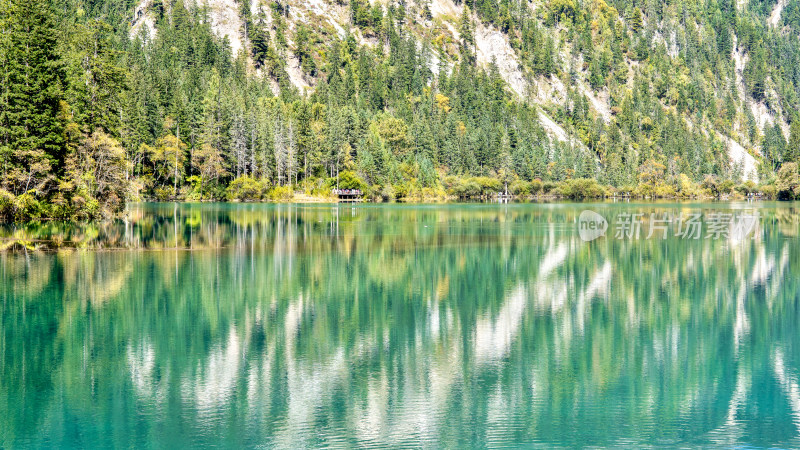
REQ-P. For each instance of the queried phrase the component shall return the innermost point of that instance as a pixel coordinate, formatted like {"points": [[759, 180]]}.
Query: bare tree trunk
{"points": [[177, 150], [253, 138]]}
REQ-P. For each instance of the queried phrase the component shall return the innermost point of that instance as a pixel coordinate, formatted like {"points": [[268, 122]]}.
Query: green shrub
{"points": [[628, 189], [521, 188], [349, 180], [453, 186], [663, 190], [194, 193], [655, 190], [578, 188], [747, 188], [710, 186], [28, 207], [449, 182], [7, 205], [402, 190], [769, 191], [488, 186], [474, 187], [726, 186], [386, 193], [319, 187], [788, 182], [91, 209], [245, 189], [280, 193], [214, 191], [549, 187], [644, 190], [162, 194], [466, 189], [425, 194], [321, 190], [536, 186], [685, 187]]}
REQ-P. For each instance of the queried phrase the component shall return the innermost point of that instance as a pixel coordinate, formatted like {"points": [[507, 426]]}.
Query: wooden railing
{"points": [[347, 192]]}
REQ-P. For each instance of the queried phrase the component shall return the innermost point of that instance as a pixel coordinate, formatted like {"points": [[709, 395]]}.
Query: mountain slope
{"points": [[437, 23], [407, 99]]}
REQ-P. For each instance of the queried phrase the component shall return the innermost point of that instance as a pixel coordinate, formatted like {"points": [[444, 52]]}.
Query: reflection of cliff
{"points": [[392, 329], [789, 385], [212, 387], [495, 335]]}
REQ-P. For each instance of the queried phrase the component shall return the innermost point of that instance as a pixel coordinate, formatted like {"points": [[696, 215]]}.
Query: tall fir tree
{"points": [[792, 153], [31, 128]]}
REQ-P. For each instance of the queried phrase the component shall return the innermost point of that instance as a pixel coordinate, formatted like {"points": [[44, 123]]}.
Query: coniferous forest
{"points": [[104, 102]]}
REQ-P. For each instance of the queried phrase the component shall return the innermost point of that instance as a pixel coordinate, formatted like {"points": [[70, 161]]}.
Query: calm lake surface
{"points": [[400, 325]]}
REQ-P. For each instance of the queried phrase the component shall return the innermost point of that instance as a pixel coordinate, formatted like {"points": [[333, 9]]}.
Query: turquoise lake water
{"points": [[480, 325]]}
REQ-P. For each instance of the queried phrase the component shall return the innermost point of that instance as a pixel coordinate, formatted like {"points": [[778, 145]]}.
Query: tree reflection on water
{"points": [[451, 325]]}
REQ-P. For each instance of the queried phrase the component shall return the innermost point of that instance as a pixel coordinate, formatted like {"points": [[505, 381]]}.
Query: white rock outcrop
{"points": [[492, 45]]}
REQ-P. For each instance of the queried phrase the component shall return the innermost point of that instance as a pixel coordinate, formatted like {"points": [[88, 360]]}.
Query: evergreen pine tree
{"points": [[792, 153], [33, 83]]}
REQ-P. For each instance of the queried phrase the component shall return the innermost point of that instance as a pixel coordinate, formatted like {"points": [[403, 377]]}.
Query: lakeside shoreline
{"points": [[115, 234], [309, 199], [57, 205]]}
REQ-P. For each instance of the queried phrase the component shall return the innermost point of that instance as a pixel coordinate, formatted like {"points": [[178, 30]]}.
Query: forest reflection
{"points": [[317, 325]]}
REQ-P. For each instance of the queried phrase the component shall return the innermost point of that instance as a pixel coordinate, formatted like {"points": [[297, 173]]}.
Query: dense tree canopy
{"points": [[187, 116]]}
